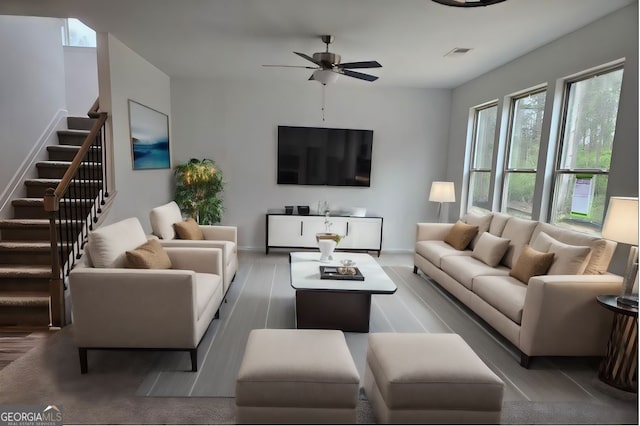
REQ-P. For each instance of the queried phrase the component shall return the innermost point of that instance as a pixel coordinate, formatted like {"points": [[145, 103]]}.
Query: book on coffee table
{"points": [[350, 273]]}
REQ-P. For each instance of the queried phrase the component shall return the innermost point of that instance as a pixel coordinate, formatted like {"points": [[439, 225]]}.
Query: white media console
{"points": [[299, 231]]}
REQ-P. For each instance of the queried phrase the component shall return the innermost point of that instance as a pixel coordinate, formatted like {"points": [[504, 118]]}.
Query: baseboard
{"points": [[48, 137]]}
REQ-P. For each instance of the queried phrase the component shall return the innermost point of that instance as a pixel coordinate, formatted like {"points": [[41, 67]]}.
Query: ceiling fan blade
{"points": [[363, 64], [359, 75], [308, 58], [291, 66]]}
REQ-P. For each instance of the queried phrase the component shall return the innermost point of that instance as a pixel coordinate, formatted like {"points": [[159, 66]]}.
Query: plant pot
{"points": [[326, 247]]}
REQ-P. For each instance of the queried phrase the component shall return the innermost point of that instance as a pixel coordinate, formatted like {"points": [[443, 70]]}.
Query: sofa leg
{"points": [[84, 364], [194, 359], [217, 315], [415, 269], [525, 360]]}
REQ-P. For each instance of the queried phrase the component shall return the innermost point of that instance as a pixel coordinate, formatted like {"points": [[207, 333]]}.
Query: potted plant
{"points": [[198, 187]]}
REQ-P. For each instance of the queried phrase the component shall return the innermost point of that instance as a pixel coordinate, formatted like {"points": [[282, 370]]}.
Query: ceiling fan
{"points": [[328, 65]]}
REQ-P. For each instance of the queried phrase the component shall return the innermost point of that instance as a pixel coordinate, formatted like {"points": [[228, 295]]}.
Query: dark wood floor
{"points": [[14, 344]]}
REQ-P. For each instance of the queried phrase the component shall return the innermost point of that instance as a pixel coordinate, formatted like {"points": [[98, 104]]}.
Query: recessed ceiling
{"points": [[232, 39]]}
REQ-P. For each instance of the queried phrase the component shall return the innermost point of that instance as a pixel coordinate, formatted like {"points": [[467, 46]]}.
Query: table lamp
{"points": [[621, 225], [442, 192]]}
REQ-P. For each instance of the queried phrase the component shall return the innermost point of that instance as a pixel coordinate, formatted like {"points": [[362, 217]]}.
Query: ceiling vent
{"points": [[457, 52]]}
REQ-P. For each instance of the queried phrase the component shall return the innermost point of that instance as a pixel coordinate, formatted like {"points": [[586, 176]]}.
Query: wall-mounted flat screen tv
{"points": [[322, 156]]}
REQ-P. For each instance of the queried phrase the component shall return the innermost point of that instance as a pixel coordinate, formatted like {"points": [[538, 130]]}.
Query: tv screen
{"points": [[321, 156]]}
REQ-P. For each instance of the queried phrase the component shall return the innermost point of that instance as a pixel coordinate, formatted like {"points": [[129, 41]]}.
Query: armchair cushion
{"points": [[162, 219], [108, 244], [188, 230], [150, 255]]}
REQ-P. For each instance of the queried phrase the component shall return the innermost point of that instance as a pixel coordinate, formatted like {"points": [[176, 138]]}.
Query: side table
{"points": [[619, 368]]}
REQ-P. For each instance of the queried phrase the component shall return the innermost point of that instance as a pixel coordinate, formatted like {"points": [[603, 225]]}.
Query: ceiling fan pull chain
{"points": [[323, 100]]}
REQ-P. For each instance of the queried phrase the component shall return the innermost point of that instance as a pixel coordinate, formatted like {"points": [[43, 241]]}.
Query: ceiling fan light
{"points": [[325, 76]]}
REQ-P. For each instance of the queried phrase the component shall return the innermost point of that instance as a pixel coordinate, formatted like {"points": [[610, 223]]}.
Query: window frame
{"points": [[559, 171], [506, 170], [474, 146]]}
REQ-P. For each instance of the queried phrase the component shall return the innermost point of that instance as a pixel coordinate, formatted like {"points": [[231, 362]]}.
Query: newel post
{"points": [[56, 286]]}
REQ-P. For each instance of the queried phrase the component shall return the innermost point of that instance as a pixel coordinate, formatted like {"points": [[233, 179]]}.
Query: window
{"points": [[582, 170], [484, 130], [525, 131], [75, 33]]}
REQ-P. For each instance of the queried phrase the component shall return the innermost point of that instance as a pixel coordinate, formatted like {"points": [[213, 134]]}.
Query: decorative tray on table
{"points": [[341, 273]]}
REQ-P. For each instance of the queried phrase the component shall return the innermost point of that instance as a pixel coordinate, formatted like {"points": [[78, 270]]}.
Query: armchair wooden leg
{"points": [[84, 365], [525, 360], [194, 359], [415, 269]]}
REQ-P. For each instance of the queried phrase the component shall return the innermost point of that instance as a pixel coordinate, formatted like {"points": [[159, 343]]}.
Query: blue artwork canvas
{"points": [[149, 137]]}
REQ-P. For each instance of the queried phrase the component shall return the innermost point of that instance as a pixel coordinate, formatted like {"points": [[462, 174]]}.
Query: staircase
{"points": [[25, 240]]}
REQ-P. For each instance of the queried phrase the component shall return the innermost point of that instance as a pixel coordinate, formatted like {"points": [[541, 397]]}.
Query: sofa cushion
{"points": [[601, 250], [188, 230], [531, 263], [481, 221], [107, 245], [162, 219], [568, 259], [434, 251], [464, 268], [498, 222], [150, 255], [504, 293], [206, 285], [519, 232], [461, 235], [490, 249]]}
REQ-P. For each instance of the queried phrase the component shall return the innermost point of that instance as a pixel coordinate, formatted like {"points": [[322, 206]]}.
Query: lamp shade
{"points": [[442, 192], [621, 222], [325, 76]]}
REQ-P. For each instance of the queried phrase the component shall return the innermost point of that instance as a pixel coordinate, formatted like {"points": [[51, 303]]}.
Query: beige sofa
{"points": [[163, 219], [551, 315], [116, 307]]}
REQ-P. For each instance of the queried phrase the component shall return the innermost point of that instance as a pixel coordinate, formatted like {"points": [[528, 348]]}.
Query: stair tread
{"points": [[73, 132], [24, 299], [35, 202], [25, 245], [30, 223], [68, 147], [52, 181], [65, 164], [25, 271]]}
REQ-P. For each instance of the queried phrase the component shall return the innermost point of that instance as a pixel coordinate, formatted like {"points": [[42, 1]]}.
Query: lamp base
{"points": [[628, 300]]}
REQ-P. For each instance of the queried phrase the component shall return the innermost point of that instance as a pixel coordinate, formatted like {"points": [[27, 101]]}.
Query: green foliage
{"points": [[198, 187]]}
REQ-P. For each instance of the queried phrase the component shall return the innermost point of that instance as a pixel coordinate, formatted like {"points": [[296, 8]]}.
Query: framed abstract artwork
{"points": [[149, 130]]}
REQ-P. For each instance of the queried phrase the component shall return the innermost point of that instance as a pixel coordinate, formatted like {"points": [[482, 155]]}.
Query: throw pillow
{"points": [[150, 255], [568, 260], [490, 249], [162, 219], [461, 235], [188, 230], [109, 243], [531, 263], [481, 221]]}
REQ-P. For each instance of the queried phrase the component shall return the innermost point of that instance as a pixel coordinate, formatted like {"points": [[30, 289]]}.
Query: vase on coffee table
{"points": [[327, 243]]}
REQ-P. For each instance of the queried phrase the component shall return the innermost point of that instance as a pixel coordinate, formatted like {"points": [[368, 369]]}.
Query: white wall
{"points": [[32, 94], [81, 79], [124, 75], [608, 39], [235, 124]]}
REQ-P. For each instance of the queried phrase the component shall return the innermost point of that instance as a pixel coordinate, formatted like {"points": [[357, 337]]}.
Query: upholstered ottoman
{"points": [[297, 376], [429, 378]]}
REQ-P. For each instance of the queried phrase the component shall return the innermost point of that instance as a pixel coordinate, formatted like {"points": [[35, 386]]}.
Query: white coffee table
{"points": [[336, 304]]}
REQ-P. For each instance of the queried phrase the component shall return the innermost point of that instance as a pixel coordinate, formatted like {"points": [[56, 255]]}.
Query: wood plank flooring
{"points": [[14, 344], [261, 297]]}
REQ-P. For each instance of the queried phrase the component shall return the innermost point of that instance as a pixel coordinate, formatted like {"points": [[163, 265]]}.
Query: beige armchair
{"points": [[163, 219], [115, 307]]}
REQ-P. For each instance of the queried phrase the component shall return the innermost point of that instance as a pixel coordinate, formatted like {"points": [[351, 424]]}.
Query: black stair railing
{"points": [[74, 206]]}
